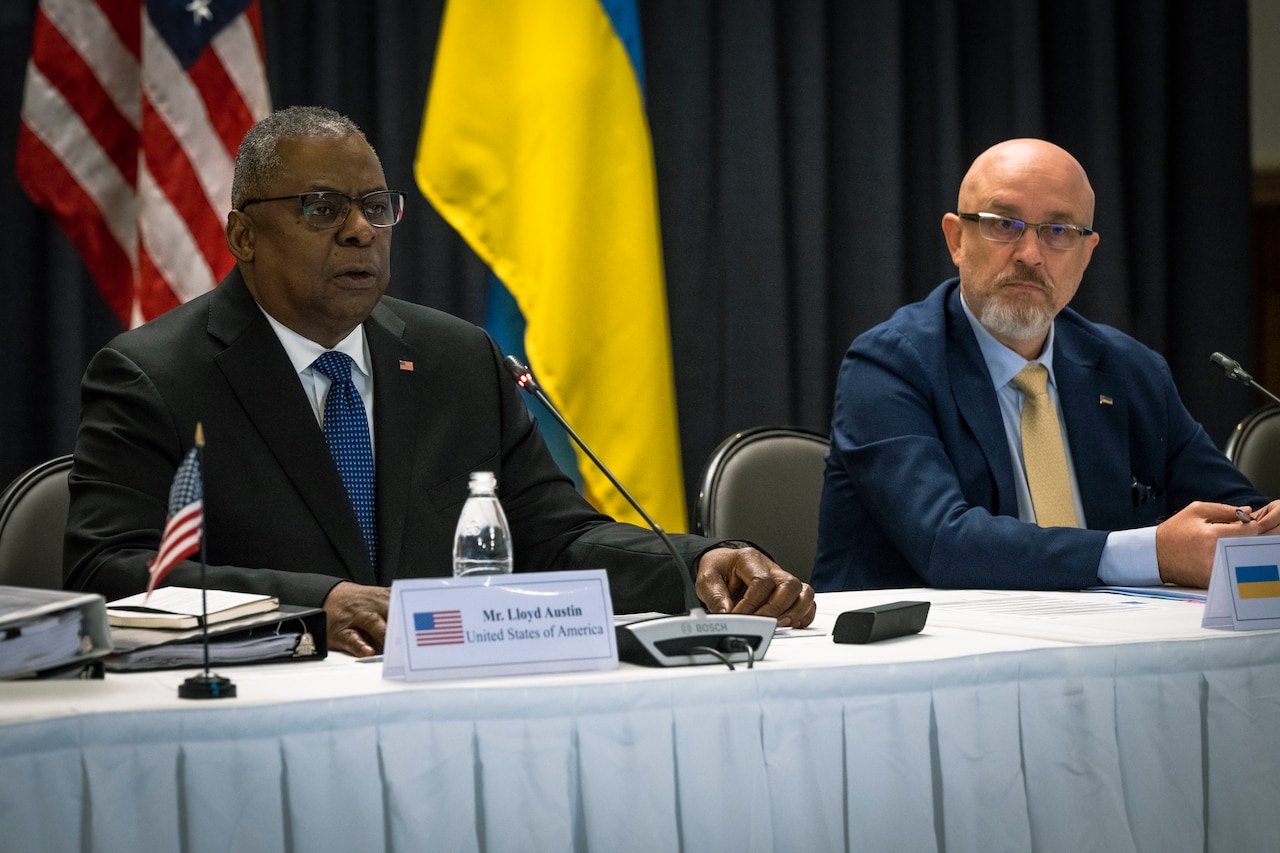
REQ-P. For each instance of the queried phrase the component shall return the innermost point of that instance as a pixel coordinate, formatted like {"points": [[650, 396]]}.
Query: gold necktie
{"points": [[1042, 452]]}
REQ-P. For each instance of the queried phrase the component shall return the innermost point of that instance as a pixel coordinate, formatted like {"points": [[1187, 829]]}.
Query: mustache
{"points": [[1033, 275]]}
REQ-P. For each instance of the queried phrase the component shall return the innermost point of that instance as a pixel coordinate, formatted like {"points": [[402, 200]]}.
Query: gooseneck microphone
{"points": [[1232, 368], [690, 639]]}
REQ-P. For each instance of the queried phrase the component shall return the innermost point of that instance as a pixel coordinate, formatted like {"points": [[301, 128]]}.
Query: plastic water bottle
{"points": [[482, 542]]}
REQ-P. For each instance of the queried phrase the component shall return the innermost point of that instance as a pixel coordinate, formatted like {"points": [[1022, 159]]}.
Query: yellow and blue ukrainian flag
{"points": [[1258, 581], [535, 146]]}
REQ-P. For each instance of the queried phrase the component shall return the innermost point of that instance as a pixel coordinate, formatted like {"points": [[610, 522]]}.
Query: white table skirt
{"points": [[948, 740]]}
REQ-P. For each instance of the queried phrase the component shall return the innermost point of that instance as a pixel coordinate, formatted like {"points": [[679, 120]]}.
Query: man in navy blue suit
{"points": [[926, 482]]}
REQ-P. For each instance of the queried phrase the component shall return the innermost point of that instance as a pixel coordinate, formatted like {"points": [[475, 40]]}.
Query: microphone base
{"points": [[676, 640]]}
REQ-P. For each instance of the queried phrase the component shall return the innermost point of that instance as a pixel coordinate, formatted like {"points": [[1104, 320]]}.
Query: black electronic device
{"points": [[882, 622], [692, 638]]}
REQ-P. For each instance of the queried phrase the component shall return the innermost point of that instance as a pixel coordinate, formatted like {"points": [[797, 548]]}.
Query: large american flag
{"points": [[185, 526], [131, 117]]}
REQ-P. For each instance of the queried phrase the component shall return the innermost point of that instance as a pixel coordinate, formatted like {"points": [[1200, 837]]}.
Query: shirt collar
{"points": [[1003, 363], [303, 352]]}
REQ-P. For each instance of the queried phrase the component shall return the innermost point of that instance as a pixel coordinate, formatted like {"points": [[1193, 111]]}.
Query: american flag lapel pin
{"points": [[406, 365], [1103, 399]]}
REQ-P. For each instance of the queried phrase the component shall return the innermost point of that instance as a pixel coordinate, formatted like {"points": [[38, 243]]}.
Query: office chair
{"points": [[33, 516], [1254, 448], [764, 485]]}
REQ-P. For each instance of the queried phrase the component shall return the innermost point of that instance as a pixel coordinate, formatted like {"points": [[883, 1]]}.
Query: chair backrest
{"points": [[1254, 448], [33, 517], [765, 484]]}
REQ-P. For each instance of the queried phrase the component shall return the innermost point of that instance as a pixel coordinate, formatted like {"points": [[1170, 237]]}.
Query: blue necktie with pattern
{"points": [[346, 428]]}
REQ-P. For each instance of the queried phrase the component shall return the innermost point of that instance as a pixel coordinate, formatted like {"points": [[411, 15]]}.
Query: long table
{"points": [[1000, 727]]}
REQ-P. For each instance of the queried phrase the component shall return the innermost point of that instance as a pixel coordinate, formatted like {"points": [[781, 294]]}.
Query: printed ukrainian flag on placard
{"points": [[1258, 581], [535, 147]]}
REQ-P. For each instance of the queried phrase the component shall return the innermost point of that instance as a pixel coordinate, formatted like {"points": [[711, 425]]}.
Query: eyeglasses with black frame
{"points": [[329, 209], [1006, 229]]}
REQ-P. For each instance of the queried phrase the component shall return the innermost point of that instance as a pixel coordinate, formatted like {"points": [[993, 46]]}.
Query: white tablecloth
{"points": [[955, 739]]}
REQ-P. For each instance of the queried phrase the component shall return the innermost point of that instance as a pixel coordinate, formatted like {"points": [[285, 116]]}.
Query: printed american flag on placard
{"points": [[185, 526], [438, 627], [131, 117]]}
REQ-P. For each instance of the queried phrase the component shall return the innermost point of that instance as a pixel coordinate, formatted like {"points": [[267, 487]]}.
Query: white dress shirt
{"points": [[303, 352]]}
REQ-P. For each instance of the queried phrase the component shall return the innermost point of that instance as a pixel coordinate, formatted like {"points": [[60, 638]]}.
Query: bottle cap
{"points": [[483, 481]]}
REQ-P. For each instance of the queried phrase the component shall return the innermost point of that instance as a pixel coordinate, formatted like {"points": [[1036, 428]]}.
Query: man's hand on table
{"points": [[743, 580], [357, 618]]}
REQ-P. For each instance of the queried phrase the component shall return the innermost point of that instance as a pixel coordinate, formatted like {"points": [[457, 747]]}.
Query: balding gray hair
{"points": [[258, 158]]}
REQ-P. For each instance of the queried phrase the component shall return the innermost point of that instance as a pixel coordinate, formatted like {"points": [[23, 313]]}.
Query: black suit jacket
{"points": [[277, 518]]}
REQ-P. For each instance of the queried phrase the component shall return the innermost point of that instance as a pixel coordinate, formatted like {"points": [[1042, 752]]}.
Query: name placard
{"points": [[1244, 589], [490, 625]]}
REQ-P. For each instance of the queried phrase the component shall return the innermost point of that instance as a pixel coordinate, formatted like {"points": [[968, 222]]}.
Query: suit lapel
{"points": [[399, 376], [266, 385], [976, 400], [1095, 408]]}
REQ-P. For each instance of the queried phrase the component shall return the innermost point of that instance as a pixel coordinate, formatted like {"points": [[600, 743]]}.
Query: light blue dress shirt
{"points": [[1129, 557]]}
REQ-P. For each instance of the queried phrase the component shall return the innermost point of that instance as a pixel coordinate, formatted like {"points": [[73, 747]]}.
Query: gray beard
{"points": [[1019, 324]]}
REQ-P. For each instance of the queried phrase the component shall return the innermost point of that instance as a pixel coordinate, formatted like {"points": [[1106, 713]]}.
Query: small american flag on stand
{"points": [[185, 526]]}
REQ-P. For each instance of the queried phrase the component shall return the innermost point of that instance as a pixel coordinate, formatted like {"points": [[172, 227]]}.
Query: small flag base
{"points": [[206, 686]]}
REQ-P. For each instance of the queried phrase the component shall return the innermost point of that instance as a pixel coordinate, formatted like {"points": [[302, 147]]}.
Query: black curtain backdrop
{"points": [[806, 151]]}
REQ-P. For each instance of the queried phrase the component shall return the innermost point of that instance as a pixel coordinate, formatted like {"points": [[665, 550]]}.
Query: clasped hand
{"points": [[1187, 541]]}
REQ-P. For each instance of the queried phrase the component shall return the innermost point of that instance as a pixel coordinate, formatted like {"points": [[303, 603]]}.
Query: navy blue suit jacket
{"points": [[919, 485]]}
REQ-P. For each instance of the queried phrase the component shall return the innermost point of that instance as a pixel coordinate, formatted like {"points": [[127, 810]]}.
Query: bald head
{"points": [[1028, 163], [1015, 282]]}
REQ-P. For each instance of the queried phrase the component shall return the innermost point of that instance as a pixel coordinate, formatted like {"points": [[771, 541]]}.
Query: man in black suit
{"points": [[310, 231]]}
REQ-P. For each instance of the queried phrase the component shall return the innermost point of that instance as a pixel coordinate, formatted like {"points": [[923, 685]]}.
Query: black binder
{"points": [[24, 611], [138, 649]]}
